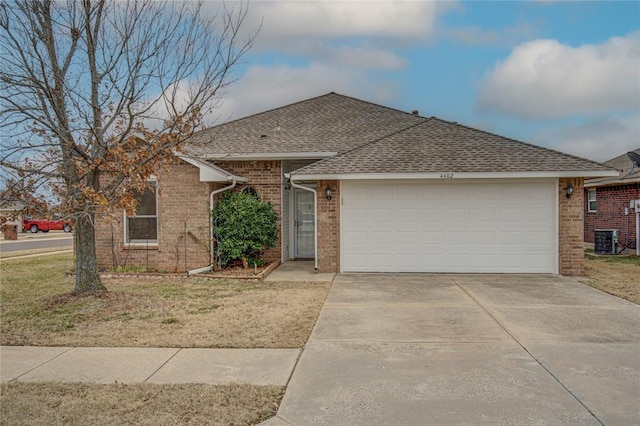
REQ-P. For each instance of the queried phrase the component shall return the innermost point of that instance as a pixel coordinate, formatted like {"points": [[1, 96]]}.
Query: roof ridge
{"points": [[305, 101], [264, 112], [529, 144], [424, 121], [378, 105], [637, 150]]}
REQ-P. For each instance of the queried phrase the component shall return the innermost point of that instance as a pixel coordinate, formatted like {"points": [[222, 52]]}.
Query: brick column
{"points": [[328, 227], [571, 227]]}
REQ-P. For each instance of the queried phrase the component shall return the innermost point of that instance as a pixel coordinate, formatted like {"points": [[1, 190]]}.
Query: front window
{"points": [[142, 227], [591, 199], [251, 191]]}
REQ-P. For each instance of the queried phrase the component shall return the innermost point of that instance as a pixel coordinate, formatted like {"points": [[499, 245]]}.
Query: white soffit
{"points": [[212, 173]]}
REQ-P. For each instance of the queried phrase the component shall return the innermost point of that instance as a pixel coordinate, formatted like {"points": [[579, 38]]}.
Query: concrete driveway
{"points": [[467, 349]]}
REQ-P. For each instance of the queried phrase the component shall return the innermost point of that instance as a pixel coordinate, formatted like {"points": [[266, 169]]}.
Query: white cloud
{"points": [[262, 88], [364, 34], [599, 139], [337, 19], [544, 79]]}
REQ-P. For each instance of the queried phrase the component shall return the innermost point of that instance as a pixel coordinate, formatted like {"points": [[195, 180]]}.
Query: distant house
{"points": [[607, 202], [11, 211], [361, 187]]}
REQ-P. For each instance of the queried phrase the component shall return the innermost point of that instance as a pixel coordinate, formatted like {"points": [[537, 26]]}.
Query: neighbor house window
{"points": [[142, 227], [591, 198]]}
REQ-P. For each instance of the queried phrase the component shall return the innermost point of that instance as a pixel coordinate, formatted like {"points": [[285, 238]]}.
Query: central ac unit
{"points": [[606, 241]]}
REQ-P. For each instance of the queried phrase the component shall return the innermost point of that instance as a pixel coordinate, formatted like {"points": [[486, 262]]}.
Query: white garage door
{"points": [[453, 226]]}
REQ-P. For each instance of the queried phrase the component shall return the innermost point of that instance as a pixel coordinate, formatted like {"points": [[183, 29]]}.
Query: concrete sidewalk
{"points": [[160, 365], [147, 365], [299, 271]]}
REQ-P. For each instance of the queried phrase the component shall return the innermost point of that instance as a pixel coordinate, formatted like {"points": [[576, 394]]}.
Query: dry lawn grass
{"points": [[141, 404], [38, 309], [619, 276]]}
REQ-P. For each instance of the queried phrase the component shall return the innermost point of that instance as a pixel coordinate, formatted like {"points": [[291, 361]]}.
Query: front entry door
{"points": [[303, 224]]}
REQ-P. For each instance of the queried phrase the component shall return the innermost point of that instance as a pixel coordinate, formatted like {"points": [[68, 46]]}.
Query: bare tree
{"points": [[96, 95]]}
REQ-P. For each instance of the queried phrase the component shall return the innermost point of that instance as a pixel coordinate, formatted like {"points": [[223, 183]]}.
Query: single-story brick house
{"points": [[362, 187], [607, 202]]}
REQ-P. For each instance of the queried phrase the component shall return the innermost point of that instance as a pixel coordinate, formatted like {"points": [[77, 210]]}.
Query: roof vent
{"points": [[415, 112]]}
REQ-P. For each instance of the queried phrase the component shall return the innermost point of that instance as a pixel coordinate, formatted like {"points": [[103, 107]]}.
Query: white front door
{"points": [[303, 224]]}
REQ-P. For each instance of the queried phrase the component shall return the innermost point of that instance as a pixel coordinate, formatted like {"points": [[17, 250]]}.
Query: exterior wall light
{"points": [[569, 191], [329, 193]]}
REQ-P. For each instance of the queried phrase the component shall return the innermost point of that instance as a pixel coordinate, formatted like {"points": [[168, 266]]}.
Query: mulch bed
{"points": [[236, 273]]}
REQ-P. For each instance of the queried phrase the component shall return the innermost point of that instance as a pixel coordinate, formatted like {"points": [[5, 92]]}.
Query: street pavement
{"points": [[40, 240]]}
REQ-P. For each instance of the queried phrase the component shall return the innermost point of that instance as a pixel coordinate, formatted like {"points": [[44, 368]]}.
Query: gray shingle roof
{"points": [[627, 172], [328, 123], [370, 138], [436, 146]]}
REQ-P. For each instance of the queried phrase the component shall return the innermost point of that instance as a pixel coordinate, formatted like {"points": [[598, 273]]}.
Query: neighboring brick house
{"points": [[607, 202], [360, 187]]}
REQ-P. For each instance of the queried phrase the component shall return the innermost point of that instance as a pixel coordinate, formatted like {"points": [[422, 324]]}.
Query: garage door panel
{"points": [[483, 240], [450, 227], [431, 193], [356, 238], [431, 215], [457, 215], [407, 215], [485, 215]]}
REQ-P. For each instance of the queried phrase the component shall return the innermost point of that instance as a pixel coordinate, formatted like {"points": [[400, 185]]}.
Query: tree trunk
{"points": [[87, 276]]}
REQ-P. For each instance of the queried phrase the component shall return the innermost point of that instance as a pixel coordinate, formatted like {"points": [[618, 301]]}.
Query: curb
{"points": [[26, 256]]}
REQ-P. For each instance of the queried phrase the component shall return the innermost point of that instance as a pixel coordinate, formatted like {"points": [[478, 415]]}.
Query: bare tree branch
{"points": [[96, 95]]}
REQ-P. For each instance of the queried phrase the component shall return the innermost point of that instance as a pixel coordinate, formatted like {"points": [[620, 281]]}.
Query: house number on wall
{"points": [[446, 175]]}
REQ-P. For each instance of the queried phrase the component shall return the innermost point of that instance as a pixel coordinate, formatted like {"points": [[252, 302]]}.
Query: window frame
{"points": [[593, 200], [125, 228], [248, 189]]}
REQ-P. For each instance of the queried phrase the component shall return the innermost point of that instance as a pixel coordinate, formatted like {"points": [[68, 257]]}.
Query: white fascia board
{"points": [[451, 175], [610, 182], [212, 173], [271, 156]]}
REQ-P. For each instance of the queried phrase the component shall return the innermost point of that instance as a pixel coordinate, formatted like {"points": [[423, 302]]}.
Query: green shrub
{"points": [[244, 227]]}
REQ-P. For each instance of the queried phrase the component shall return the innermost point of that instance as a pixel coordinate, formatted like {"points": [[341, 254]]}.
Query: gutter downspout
{"points": [[214, 192], [315, 218]]}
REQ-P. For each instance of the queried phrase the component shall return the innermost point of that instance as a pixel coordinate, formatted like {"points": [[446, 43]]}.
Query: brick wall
{"points": [[570, 227], [610, 204], [183, 227], [328, 227], [183, 198], [265, 178]]}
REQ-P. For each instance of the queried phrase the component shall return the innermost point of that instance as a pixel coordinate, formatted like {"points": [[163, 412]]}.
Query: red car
{"points": [[46, 225]]}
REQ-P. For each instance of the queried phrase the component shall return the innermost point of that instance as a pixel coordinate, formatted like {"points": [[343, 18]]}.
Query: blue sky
{"points": [[565, 75]]}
